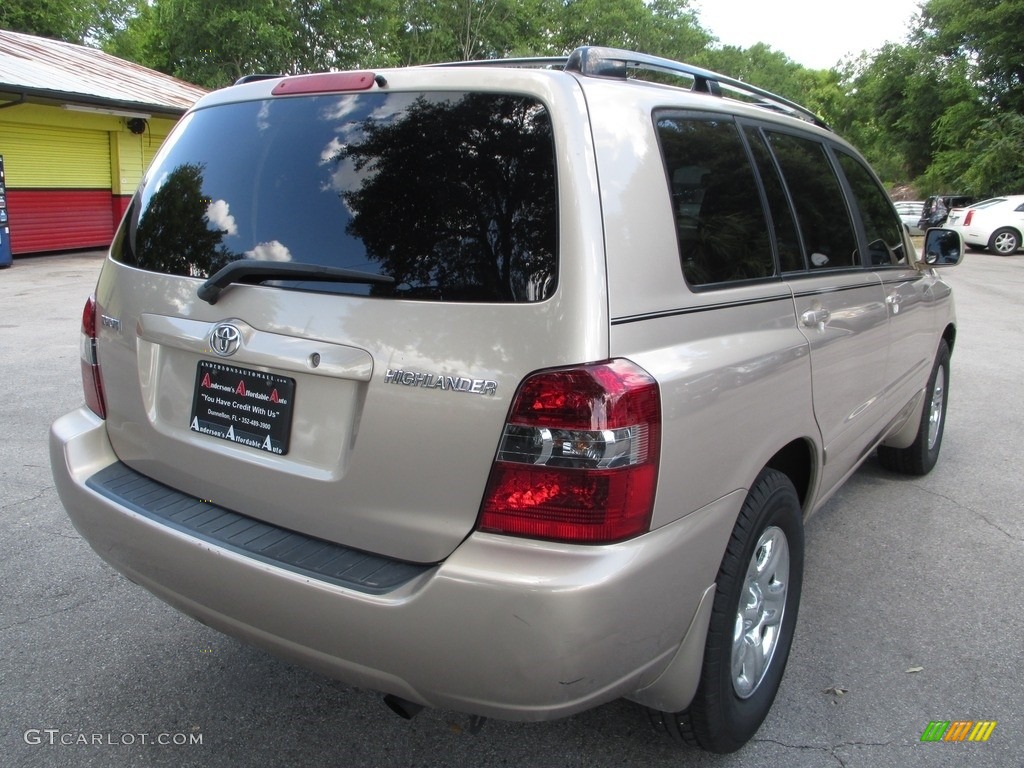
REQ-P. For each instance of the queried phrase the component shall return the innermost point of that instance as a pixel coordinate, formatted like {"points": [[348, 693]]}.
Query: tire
{"points": [[764, 558], [1004, 242], [920, 456]]}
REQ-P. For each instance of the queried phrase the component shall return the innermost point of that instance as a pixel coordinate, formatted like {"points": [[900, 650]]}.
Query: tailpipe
{"points": [[404, 708]]}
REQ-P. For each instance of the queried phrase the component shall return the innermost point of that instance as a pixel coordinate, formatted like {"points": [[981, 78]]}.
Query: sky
{"points": [[815, 33]]}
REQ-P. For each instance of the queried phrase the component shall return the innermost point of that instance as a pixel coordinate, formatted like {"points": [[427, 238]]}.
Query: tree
{"points": [[213, 45], [986, 36], [978, 48], [424, 32], [941, 110], [772, 70], [341, 34], [458, 195], [894, 101], [663, 27], [57, 19], [175, 234], [997, 150], [73, 21]]}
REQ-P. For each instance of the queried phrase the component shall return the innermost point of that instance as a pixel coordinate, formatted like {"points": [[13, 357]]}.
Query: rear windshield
{"points": [[451, 194]]}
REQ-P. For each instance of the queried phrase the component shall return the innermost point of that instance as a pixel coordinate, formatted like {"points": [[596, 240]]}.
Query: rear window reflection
{"points": [[452, 195]]}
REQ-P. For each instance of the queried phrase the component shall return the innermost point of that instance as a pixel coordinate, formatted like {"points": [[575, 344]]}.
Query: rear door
{"points": [[365, 408], [840, 305], [912, 297]]}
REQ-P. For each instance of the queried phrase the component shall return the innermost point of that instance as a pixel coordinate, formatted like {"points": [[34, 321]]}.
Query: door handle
{"points": [[815, 317]]}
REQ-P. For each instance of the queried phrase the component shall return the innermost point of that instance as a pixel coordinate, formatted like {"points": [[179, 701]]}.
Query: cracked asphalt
{"points": [[911, 613]]}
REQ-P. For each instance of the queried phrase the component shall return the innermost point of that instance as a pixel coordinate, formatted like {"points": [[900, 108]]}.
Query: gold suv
{"points": [[504, 387]]}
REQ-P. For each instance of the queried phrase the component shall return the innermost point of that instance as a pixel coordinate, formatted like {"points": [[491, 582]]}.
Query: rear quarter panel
{"points": [[733, 368]]}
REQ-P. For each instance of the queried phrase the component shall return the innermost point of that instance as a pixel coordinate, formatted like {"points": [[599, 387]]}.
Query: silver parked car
{"points": [[910, 214], [503, 387]]}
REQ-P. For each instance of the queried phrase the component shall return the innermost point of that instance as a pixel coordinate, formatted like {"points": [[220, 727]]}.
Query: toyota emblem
{"points": [[225, 339]]}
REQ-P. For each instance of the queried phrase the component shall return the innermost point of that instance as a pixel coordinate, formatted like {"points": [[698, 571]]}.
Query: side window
{"points": [[817, 196], [786, 239], [881, 226], [720, 223]]}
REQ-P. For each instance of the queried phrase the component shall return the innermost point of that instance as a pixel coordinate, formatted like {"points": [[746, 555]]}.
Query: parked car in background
{"points": [[937, 208], [996, 224], [910, 214]]}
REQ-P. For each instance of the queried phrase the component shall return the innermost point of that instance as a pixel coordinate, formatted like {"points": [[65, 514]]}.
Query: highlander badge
{"points": [[448, 383]]}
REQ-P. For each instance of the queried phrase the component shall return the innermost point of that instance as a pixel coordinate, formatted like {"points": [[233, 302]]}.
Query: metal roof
{"points": [[37, 68]]}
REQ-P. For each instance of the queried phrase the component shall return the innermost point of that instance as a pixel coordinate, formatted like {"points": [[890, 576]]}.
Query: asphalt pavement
{"points": [[912, 604]]}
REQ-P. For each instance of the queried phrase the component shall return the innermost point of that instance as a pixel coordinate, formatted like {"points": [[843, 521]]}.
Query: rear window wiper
{"points": [[255, 270]]}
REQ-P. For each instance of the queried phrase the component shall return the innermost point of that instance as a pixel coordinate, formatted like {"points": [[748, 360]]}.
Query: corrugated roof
{"points": [[37, 66]]}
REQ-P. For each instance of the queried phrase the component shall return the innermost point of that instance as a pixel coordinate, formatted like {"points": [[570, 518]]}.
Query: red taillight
{"points": [[968, 217], [91, 382], [578, 459]]}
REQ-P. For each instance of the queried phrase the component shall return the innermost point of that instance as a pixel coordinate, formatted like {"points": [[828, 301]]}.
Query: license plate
{"points": [[249, 407]]}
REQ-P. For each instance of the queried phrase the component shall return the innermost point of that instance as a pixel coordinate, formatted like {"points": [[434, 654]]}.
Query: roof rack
{"points": [[538, 62], [612, 62], [596, 61], [254, 78]]}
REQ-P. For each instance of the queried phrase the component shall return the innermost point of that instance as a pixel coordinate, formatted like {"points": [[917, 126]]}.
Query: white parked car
{"points": [[996, 224]]}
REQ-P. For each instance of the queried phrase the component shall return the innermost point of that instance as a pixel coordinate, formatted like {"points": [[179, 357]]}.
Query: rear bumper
{"points": [[507, 628]]}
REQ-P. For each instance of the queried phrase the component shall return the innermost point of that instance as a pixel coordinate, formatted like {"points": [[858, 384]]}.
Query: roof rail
{"points": [[538, 62], [595, 61], [254, 78]]}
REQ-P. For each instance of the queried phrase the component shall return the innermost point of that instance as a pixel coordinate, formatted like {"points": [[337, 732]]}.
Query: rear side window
{"points": [[451, 194], [881, 226], [720, 223], [788, 242], [821, 211]]}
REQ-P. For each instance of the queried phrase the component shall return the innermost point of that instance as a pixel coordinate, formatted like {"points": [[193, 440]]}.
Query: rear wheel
{"points": [[752, 621], [920, 456], [1004, 242]]}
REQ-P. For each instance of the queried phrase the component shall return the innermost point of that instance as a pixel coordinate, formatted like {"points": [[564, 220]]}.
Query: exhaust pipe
{"points": [[405, 709]]}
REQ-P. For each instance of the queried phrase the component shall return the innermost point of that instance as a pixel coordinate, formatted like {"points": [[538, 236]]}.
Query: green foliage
{"points": [[74, 21], [989, 162], [663, 27], [58, 19], [977, 52], [818, 90], [487, 222], [986, 36], [460, 30], [997, 149], [941, 109], [894, 102], [175, 230], [214, 44]]}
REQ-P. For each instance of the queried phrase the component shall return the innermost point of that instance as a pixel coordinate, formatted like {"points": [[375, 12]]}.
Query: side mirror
{"points": [[942, 248]]}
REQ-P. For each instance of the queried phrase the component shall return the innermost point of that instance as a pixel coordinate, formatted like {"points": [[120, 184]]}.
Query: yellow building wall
{"points": [[71, 174], [37, 140]]}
